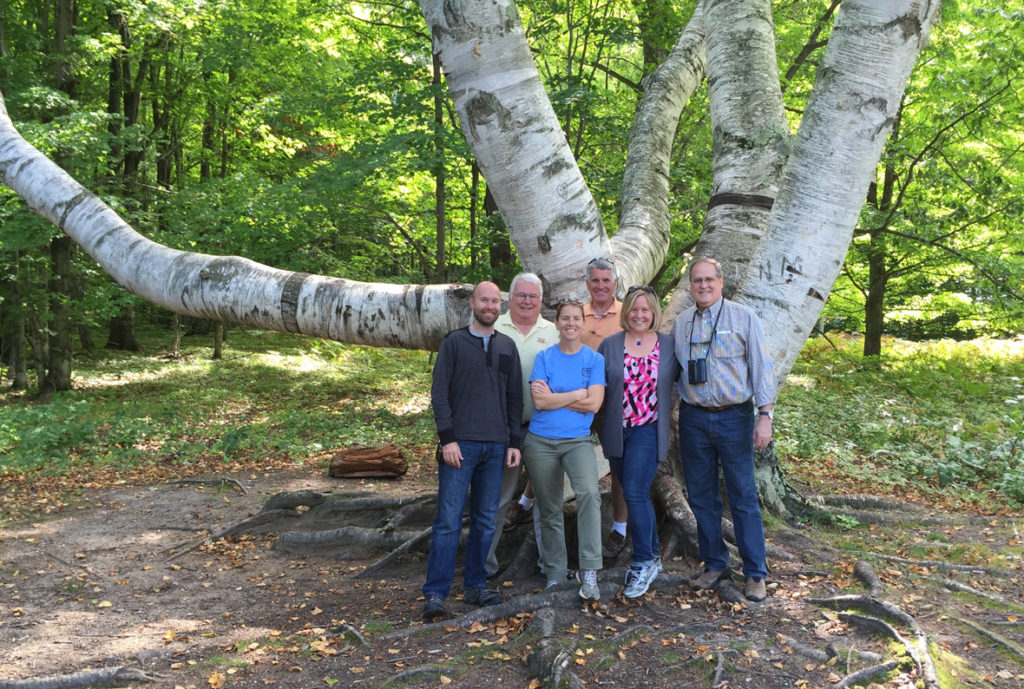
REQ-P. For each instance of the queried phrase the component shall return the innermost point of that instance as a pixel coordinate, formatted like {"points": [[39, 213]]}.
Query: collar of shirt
{"points": [[613, 310]]}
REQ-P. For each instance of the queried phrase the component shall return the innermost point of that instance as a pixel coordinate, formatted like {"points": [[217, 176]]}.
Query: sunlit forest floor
{"points": [[105, 563]]}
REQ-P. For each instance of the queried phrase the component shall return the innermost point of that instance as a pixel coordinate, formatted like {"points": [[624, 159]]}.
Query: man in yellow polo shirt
{"points": [[531, 333], [601, 319]]}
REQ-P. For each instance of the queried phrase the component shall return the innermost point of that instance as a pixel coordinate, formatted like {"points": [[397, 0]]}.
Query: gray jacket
{"points": [[609, 425]]}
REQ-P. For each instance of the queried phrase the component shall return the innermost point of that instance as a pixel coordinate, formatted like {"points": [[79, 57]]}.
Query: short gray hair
{"points": [[709, 261], [530, 278], [602, 263]]}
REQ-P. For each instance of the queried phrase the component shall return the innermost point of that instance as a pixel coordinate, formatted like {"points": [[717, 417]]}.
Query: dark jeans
{"points": [[724, 439], [480, 477], [635, 471]]}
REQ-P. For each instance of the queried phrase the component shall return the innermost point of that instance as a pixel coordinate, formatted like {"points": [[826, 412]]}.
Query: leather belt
{"points": [[715, 410]]}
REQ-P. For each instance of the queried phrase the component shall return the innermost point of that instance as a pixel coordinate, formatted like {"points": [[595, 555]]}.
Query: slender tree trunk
{"points": [[122, 331], [218, 340], [176, 329], [58, 360], [499, 248], [874, 301], [441, 272], [474, 212]]}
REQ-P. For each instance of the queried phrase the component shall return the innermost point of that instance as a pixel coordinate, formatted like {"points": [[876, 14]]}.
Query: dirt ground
{"points": [[112, 582]]}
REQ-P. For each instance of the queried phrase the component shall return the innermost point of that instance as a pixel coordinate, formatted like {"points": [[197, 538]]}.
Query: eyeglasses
{"points": [[569, 302], [523, 296], [647, 289], [601, 262]]}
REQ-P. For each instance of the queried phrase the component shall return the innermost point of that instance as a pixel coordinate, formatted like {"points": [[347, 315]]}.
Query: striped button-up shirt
{"points": [[729, 335]]}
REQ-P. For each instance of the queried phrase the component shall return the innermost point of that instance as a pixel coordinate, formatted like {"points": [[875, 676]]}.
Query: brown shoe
{"points": [[755, 589], [516, 515], [709, 579], [613, 545]]}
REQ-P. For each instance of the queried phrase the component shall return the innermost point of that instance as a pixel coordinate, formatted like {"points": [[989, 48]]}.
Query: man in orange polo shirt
{"points": [[601, 319]]}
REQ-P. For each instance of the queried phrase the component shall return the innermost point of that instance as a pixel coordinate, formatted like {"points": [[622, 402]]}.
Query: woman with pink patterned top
{"points": [[641, 370]]}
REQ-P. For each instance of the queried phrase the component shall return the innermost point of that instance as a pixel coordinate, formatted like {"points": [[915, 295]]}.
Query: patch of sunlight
{"points": [[292, 362], [805, 382], [414, 404]]}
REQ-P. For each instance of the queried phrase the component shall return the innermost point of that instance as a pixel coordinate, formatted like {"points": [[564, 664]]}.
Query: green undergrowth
{"points": [[939, 422], [270, 396]]}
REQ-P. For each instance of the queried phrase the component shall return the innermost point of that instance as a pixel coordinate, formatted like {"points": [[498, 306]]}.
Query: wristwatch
{"points": [[770, 415]]}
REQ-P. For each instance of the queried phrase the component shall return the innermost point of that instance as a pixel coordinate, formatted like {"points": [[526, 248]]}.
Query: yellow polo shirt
{"points": [[542, 335], [596, 328]]}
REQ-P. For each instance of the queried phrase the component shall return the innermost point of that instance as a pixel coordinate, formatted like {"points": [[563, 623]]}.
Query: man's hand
{"points": [[451, 453], [512, 457], [762, 432]]}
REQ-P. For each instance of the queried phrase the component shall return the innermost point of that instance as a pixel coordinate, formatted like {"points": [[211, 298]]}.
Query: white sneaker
{"points": [[589, 589], [641, 579]]}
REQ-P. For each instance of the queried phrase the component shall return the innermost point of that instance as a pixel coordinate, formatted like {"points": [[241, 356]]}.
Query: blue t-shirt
{"points": [[564, 372]]}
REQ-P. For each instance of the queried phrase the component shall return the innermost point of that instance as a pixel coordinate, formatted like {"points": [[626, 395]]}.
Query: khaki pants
{"points": [[548, 460]]}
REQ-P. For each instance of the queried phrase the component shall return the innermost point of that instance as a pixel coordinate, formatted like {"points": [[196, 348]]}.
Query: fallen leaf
{"points": [[216, 680]]}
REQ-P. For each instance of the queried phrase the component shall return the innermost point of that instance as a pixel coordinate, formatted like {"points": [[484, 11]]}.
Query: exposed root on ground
{"points": [[992, 636], [100, 677], [879, 609], [561, 596], [210, 482], [865, 674], [964, 588]]}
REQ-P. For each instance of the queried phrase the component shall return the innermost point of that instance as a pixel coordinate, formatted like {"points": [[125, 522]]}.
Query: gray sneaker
{"points": [[589, 589], [640, 581], [709, 579]]}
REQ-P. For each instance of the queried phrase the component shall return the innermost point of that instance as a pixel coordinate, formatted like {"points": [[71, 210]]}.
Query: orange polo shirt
{"points": [[596, 328]]}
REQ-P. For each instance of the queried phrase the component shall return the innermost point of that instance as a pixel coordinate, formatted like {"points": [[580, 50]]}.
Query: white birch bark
{"points": [[228, 288], [512, 129], [750, 135], [641, 244], [857, 93]]}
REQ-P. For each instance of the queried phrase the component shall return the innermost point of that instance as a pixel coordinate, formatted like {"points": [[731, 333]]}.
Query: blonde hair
{"points": [[632, 294]]}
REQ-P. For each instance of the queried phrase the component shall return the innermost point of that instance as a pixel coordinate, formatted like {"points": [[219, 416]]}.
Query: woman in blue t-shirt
{"points": [[567, 385]]}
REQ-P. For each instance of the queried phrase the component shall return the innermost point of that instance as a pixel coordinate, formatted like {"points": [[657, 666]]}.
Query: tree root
{"points": [[868, 502], [964, 588], [211, 482], [100, 677], [865, 573], [944, 566], [865, 674], [293, 500], [409, 544], [561, 596], [718, 679], [342, 629], [918, 651], [992, 636], [257, 520], [414, 672], [344, 537]]}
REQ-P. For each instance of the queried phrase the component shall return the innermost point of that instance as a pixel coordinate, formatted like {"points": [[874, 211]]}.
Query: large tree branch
{"points": [[228, 288]]}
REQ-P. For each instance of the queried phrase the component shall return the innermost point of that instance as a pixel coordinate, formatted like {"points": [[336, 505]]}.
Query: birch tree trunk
{"points": [[856, 97], [517, 140], [641, 244]]}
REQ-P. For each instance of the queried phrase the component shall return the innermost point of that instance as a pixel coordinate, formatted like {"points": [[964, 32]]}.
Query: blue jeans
{"points": [[480, 477], [724, 439], [635, 471]]}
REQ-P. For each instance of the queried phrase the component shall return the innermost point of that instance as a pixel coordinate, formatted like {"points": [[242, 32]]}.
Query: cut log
{"points": [[358, 461]]}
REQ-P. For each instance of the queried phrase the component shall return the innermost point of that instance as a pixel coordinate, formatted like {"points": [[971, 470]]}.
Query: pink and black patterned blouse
{"points": [[640, 388]]}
